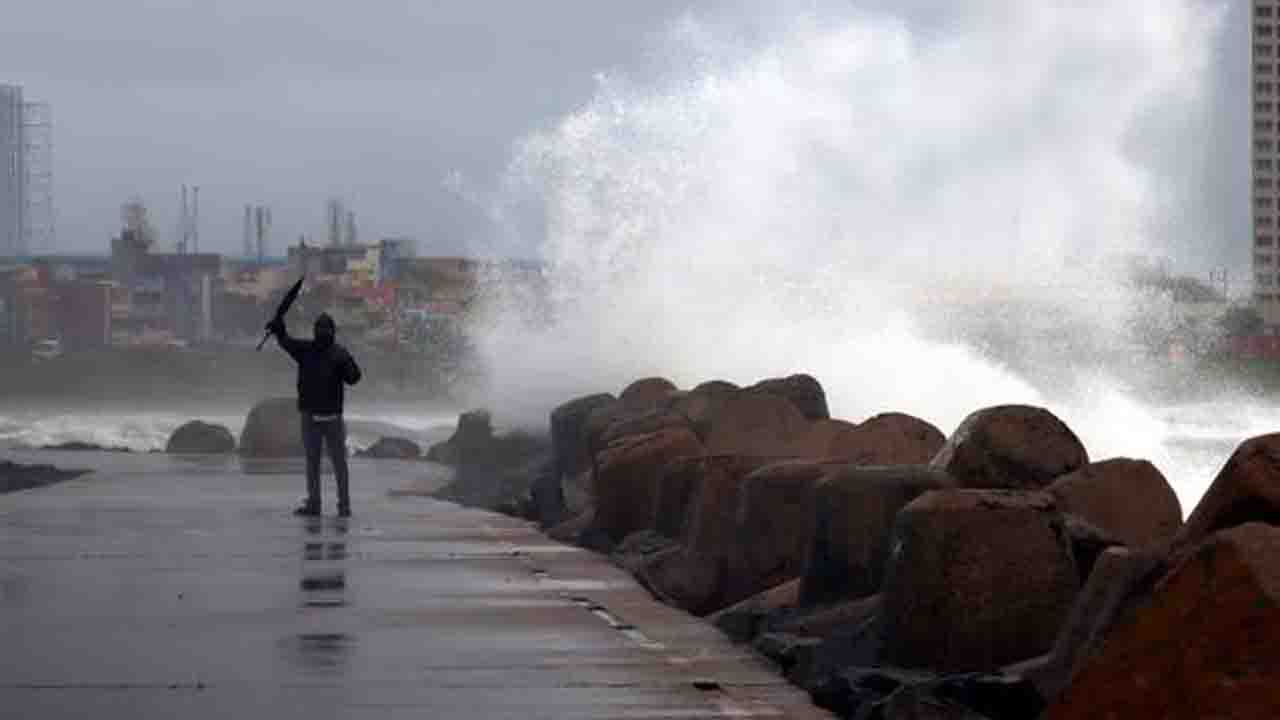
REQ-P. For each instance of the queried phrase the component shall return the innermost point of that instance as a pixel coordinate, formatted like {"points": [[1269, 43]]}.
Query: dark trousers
{"points": [[333, 434]]}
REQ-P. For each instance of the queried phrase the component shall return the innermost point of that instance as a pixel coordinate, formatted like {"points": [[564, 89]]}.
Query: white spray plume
{"points": [[809, 203]]}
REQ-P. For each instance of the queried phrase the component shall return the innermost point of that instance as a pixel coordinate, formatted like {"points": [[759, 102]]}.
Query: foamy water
{"points": [[150, 431], [828, 197]]}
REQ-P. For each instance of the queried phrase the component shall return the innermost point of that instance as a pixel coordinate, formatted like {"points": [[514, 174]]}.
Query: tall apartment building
{"points": [[26, 174], [13, 173]]}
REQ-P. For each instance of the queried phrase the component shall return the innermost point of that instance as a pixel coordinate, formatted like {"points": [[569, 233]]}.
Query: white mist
{"points": [[813, 201]]}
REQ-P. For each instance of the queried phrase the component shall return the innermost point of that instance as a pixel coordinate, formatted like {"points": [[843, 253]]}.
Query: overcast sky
{"points": [[406, 108]]}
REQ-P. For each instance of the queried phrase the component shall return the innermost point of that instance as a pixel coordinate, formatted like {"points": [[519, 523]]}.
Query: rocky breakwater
{"points": [[897, 573]]}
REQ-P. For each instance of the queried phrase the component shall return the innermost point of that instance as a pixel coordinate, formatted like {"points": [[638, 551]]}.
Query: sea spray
{"points": [[847, 198]]}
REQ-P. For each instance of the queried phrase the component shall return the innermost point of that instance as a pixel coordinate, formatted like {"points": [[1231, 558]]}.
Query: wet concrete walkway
{"points": [[180, 588]]}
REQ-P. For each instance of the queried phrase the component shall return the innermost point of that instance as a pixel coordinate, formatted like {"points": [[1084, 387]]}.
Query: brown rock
{"points": [[828, 619], [569, 530], [1206, 645], [694, 579], [598, 421], [472, 440], [646, 394], [1128, 499], [854, 512], [976, 579], [827, 438], [804, 391], [681, 480], [685, 579], [569, 433], [887, 439], [754, 423], [641, 424], [742, 620], [1117, 575], [700, 404], [273, 429], [715, 387], [627, 477], [772, 526], [1247, 489], [1013, 447]]}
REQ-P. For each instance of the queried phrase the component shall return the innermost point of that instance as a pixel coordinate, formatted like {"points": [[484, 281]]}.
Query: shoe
{"points": [[344, 512], [307, 511]]}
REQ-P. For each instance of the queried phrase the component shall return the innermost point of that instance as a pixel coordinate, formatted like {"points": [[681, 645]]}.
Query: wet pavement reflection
{"points": [[322, 585]]}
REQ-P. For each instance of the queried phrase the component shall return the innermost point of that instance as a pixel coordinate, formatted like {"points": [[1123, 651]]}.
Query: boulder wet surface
{"points": [[182, 587]]}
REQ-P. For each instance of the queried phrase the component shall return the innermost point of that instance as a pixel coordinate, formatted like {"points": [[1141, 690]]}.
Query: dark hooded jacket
{"points": [[323, 368]]}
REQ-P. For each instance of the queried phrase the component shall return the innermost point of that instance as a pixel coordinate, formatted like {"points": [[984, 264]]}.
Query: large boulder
{"points": [[471, 440], [681, 481], [1128, 499], [826, 620], [598, 421], [200, 438], [1205, 645], [804, 391], [1017, 447], [569, 433], [547, 498], [700, 404], [273, 429], [495, 471], [627, 476], [693, 578], [685, 579], [886, 439], [646, 394], [976, 579], [757, 423], [1121, 580], [772, 525], [643, 423], [504, 483], [1247, 489], [854, 513], [741, 621], [392, 448]]}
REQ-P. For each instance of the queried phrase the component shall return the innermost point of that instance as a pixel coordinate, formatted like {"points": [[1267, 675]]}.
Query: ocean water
{"points": [[149, 431]]}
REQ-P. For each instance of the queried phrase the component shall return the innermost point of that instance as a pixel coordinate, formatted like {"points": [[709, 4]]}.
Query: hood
{"points": [[325, 330]]}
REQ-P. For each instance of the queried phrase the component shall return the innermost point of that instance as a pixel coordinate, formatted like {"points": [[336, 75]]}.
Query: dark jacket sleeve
{"points": [[350, 370], [290, 345]]}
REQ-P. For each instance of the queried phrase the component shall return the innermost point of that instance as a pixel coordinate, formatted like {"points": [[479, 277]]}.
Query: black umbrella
{"points": [[285, 304]]}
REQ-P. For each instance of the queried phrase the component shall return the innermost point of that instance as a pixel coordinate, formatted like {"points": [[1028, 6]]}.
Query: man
{"points": [[324, 367]]}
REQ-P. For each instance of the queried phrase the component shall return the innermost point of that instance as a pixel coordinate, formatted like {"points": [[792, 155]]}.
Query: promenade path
{"points": [[163, 587]]}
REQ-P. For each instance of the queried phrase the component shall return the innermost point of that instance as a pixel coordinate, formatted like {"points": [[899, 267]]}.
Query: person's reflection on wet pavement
{"points": [[324, 573], [323, 584]]}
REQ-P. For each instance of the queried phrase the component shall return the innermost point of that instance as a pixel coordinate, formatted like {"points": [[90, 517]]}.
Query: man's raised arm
{"points": [[290, 345]]}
